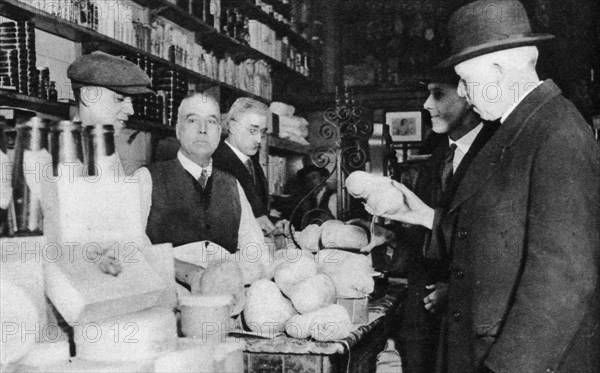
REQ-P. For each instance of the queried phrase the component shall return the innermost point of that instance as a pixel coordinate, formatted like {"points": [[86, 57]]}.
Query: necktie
{"points": [[447, 170], [250, 168], [203, 178]]}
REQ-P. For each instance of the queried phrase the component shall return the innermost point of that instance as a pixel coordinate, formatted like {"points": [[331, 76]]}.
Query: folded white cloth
{"points": [[280, 108], [294, 138], [296, 125]]}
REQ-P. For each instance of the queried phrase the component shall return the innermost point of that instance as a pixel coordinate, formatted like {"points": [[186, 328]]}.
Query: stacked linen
{"points": [[291, 127]]}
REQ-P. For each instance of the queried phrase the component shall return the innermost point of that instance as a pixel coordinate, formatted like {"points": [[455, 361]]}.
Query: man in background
{"points": [[312, 196], [238, 155], [418, 333]]}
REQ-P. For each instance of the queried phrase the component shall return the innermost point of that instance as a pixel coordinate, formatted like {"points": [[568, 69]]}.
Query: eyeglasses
{"points": [[254, 131]]}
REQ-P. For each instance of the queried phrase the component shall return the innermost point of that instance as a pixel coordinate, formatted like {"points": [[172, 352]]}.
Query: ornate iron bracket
{"points": [[349, 127]]}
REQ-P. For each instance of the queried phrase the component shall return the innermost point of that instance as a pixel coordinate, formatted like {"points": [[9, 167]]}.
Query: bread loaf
{"points": [[266, 309], [378, 192]]}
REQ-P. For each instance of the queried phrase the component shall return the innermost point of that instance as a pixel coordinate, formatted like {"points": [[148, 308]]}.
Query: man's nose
{"points": [[428, 103], [128, 108], [202, 127]]}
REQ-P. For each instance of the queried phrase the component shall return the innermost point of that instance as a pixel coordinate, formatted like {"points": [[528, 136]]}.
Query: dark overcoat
{"points": [[524, 231], [258, 195], [417, 332]]}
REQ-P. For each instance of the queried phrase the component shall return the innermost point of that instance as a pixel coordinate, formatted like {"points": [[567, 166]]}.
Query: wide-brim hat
{"points": [[104, 70], [487, 26]]}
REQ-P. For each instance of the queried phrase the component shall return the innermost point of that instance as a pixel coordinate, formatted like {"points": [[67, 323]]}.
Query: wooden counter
{"points": [[357, 353]]}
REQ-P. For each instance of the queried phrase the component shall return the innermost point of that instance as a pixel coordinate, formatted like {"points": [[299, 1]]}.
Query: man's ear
{"points": [[90, 95], [177, 129], [498, 72]]}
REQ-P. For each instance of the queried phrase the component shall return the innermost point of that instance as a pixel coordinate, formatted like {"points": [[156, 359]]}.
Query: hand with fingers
{"points": [[265, 225], [109, 263], [438, 298], [416, 212], [282, 228]]}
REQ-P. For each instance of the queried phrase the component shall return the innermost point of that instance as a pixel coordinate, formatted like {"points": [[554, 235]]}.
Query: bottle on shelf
{"points": [[99, 149], [32, 163], [208, 17], [52, 92], [66, 149], [5, 182]]}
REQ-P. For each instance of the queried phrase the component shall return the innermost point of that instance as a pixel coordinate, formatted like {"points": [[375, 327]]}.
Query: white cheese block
{"points": [[21, 263], [229, 356], [77, 365], [20, 322], [196, 359], [46, 354], [132, 337], [109, 219]]}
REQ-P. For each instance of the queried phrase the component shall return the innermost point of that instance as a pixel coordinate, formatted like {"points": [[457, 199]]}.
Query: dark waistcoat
{"points": [[183, 212]]}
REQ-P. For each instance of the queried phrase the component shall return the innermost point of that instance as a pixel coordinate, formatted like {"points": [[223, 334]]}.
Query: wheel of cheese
{"points": [[206, 317], [20, 320], [46, 354], [131, 337]]}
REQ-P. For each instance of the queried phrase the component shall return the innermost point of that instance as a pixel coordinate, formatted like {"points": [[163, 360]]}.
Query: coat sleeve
{"points": [[560, 262]]}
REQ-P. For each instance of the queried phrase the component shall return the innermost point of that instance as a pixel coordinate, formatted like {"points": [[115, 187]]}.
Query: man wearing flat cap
{"points": [[524, 225], [103, 85]]}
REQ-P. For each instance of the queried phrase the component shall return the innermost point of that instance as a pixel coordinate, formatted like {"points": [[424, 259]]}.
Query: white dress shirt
{"points": [[463, 145], [249, 233], [243, 157]]}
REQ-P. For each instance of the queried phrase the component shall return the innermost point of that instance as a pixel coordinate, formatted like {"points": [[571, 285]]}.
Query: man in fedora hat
{"points": [[524, 225], [451, 115]]}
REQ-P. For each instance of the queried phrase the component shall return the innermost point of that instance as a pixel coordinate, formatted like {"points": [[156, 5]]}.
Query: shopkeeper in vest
{"points": [[188, 200]]}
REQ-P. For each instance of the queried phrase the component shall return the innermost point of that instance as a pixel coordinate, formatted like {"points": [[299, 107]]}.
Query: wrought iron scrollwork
{"points": [[349, 127]]}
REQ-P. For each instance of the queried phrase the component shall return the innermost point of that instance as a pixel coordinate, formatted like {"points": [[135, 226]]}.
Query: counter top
{"points": [[282, 344]]}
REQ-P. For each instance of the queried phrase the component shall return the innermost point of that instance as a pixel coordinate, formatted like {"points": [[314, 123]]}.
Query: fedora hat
{"points": [[487, 26]]}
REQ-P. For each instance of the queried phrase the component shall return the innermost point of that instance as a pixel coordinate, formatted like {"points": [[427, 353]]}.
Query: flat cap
{"points": [[104, 70]]}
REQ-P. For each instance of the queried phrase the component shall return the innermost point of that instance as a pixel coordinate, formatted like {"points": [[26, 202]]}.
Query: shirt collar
{"points": [[192, 167], [465, 142], [513, 106], [243, 157]]}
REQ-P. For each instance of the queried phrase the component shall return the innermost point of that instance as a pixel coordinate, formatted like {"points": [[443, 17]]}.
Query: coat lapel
{"points": [[230, 162], [486, 163]]}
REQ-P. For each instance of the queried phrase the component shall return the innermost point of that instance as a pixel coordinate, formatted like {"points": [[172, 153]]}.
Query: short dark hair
{"points": [[304, 172], [442, 76]]}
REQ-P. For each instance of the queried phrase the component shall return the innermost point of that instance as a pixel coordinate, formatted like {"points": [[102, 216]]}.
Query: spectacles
{"points": [[254, 131]]}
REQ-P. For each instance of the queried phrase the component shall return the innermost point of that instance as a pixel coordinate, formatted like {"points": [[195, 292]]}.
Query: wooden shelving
{"points": [[148, 125], [21, 101], [205, 34], [213, 38], [254, 12], [286, 146]]}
